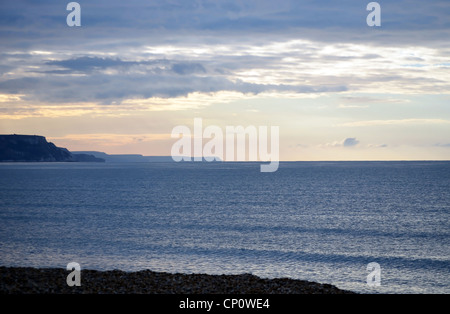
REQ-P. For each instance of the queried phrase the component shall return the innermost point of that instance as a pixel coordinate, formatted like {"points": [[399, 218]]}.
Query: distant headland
{"points": [[126, 157], [35, 148]]}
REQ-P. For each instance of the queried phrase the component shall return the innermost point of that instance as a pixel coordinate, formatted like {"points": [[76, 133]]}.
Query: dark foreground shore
{"points": [[19, 280]]}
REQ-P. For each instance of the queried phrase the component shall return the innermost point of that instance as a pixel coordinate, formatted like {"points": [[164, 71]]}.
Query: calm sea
{"points": [[318, 221]]}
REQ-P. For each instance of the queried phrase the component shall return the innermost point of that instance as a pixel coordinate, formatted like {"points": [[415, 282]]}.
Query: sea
{"points": [[317, 221]]}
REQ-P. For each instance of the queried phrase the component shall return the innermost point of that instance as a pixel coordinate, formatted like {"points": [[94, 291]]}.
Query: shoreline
{"points": [[29, 280]]}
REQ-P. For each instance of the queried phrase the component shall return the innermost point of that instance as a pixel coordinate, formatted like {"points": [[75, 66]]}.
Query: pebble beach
{"points": [[20, 280]]}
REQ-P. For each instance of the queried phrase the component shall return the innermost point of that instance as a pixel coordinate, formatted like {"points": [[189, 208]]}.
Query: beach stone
{"points": [[52, 280]]}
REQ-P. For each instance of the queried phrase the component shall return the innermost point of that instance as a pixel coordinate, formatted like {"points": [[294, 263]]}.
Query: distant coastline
{"points": [[125, 157], [36, 148]]}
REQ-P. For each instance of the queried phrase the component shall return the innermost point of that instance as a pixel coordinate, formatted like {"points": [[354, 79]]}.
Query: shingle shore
{"points": [[19, 280]]}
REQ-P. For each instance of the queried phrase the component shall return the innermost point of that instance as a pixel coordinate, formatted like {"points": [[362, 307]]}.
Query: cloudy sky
{"points": [[337, 88]]}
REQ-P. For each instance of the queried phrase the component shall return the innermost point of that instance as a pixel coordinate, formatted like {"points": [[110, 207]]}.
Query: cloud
{"points": [[188, 68], [111, 23], [4, 69], [394, 122], [148, 49], [109, 80], [350, 142], [87, 63], [344, 106], [91, 63], [117, 139], [366, 99], [377, 146]]}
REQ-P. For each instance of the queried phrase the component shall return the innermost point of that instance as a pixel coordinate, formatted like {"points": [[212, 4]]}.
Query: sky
{"points": [[134, 70]]}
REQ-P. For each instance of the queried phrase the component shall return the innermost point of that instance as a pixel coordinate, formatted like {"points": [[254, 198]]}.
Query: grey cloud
{"points": [[188, 68], [417, 59], [90, 63], [371, 56], [19, 85], [350, 142], [114, 23], [107, 88], [56, 72], [133, 28], [370, 100], [4, 69], [358, 100], [145, 78]]}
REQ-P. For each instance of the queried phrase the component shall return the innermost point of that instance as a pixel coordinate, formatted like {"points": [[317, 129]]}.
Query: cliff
{"points": [[34, 148]]}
